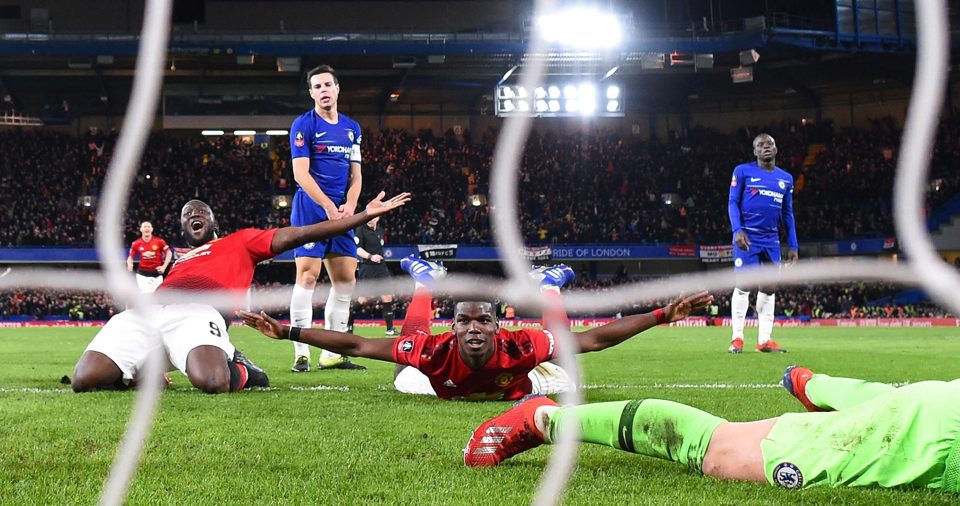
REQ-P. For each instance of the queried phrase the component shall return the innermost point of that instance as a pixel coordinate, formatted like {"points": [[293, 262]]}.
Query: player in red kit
{"points": [[477, 360], [193, 336], [154, 255]]}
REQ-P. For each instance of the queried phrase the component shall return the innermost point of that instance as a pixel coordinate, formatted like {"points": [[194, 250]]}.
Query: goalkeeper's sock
{"points": [[829, 393], [301, 315], [652, 427], [739, 303], [765, 307]]}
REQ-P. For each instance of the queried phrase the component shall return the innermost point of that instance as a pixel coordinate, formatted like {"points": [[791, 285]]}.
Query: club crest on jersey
{"points": [[782, 184], [733, 182], [787, 475], [298, 140], [406, 346], [738, 262], [503, 379], [309, 245], [350, 135]]}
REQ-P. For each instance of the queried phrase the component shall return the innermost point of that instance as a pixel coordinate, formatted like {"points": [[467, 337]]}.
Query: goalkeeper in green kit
{"points": [[856, 434]]}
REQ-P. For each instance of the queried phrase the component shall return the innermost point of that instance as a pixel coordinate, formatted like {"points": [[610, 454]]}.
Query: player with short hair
{"points": [[193, 336], [761, 199], [325, 147], [862, 434], [477, 360], [373, 267], [155, 256]]}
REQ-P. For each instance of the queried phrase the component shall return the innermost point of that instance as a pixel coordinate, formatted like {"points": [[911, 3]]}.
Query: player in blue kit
{"points": [[761, 199], [325, 147]]}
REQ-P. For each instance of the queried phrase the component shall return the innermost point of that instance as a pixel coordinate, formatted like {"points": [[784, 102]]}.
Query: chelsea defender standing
{"points": [[761, 199], [325, 147]]}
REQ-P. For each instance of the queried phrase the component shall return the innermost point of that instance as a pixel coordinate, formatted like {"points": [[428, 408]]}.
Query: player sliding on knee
{"points": [[194, 336], [476, 359]]}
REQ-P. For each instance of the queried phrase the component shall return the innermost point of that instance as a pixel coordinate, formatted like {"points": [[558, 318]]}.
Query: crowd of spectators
{"points": [[597, 187], [50, 183], [31, 304]]}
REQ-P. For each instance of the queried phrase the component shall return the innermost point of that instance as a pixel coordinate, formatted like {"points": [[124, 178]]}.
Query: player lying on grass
{"points": [[193, 336], [858, 433], [477, 359]]}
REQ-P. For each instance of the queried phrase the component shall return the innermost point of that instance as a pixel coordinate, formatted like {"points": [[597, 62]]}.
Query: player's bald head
{"points": [[196, 205], [761, 138], [474, 306]]}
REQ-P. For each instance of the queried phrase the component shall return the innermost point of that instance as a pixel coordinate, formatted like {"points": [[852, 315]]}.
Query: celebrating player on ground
{"points": [[193, 336], [761, 198], [863, 434], [154, 256], [477, 360], [325, 147]]}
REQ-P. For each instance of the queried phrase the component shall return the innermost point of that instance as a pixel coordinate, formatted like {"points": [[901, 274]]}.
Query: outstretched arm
{"points": [[612, 334], [338, 342], [291, 237]]}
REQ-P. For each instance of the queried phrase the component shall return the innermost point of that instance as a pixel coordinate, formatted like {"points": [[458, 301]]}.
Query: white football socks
{"points": [[301, 315], [765, 307], [336, 315], [739, 303]]}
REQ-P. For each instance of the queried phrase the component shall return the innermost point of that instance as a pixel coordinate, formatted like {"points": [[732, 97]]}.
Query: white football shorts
{"points": [[174, 329], [148, 284]]}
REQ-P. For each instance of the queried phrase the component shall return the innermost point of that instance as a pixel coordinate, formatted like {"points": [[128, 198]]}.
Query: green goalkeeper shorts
{"points": [[906, 438]]}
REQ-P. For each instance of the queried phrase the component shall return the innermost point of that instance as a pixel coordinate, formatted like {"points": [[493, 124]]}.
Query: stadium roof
{"points": [[800, 62]]}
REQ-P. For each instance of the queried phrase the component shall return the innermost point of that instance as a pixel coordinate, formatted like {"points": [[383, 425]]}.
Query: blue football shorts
{"points": [[759, 254], [307, 212]]}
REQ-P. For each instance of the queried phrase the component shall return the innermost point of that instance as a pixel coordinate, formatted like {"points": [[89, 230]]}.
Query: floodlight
{"points": [[613, 105], [572, 105], [521, 92], [588, 106], [541, 106], [611, 72], [540, 93], [523, 105], [553, 91], [554, 106], [586, 90], [506, 92], [581, 27], [569, 91], [613, 92], [244, 132], [211, 132], [277, 132], [508, 106]]}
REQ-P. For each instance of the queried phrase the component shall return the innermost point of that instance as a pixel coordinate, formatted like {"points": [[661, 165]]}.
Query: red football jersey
{"points": [[517, 353], [151, 253], [222, 264]]}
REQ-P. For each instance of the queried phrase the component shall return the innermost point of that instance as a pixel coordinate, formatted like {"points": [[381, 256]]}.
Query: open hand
{"points": [[263, 323], [378, 206], [681, 307]]}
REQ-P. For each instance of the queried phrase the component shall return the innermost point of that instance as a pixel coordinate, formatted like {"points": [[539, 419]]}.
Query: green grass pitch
{"points": [[345, 437]]}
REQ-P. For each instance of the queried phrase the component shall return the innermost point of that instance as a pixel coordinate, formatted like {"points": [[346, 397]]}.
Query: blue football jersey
{"points": [[330, 147], [760, 201]]}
